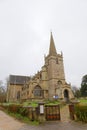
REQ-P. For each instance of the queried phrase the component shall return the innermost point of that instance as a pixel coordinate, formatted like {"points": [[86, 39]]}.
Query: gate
{"points": [[71, 110], [52, 112]]}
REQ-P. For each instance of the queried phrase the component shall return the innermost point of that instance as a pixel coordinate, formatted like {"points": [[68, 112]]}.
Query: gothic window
{"points": [[27, 92], [18, 95], [37, 91], [56, 60], [40, 76]]}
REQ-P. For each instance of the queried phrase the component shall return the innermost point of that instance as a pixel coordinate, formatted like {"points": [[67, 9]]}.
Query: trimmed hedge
{"points": [[81, 112]]}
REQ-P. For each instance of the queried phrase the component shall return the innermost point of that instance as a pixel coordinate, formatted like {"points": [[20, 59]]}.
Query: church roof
{"points": [[18, 80], [52, 49]]}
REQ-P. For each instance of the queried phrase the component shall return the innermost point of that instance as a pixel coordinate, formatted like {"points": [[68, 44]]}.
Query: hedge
{"points": [[28, 112]]}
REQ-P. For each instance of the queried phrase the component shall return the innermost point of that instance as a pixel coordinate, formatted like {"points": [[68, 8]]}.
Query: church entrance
{"points": [[66, 95]]}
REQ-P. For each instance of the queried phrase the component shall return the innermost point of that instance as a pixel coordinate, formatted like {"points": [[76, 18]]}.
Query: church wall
{"points": [[12, 92]]}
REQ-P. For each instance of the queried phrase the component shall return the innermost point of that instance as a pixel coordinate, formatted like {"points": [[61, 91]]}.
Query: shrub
{"points": [[24, 111], [81, 112], [14, 108]]}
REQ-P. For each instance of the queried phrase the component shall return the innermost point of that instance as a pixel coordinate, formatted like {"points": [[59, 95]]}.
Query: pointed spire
{"points": [[52, 49]]}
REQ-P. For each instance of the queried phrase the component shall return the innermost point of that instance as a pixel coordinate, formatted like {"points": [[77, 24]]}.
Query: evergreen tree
{"points": [[84, 86]]}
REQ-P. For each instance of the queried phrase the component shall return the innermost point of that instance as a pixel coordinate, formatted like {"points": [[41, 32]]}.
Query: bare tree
{"points": [[76, 91], [2, 92]]}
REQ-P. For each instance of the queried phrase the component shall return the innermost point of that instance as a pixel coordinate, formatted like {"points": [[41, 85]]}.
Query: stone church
{"points": [[49, 83]]}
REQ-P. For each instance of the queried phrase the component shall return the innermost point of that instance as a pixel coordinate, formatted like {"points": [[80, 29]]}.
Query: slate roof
{"points": [[18, 80]]}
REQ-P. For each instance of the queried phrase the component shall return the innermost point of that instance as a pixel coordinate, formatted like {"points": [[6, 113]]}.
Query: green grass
{"points": [[52, 102], [31, 103], [83, 101], [9, 103], [27, 103]]}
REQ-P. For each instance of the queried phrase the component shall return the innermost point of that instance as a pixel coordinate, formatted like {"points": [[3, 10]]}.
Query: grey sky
{"points": [[25, 27]]}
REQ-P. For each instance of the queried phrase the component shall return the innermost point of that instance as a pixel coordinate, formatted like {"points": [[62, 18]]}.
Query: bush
{"points": [[17, 109], [14, 108], [81, 112], [24, 111]]}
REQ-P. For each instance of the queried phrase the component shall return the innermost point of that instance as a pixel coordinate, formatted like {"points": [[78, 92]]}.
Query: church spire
{"points": [[52, 49]]}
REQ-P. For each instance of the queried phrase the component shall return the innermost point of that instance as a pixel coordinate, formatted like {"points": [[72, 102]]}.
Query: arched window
{"points": [[40, 76], [56, 60], [18, 95], [38, 92]]}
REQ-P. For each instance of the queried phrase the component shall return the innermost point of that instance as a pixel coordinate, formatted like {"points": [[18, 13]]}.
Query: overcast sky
{"points": [[25, 27]]}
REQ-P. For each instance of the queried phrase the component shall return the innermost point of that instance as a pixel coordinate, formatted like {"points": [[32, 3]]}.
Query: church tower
{"points": [[55, 72]]}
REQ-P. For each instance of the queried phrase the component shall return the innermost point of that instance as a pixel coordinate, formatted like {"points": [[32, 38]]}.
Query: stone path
{"points": [[57, 126], [9, 123]]}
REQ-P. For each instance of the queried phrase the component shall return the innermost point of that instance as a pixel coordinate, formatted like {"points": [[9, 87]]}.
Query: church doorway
{"points": [[66, 95]]}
